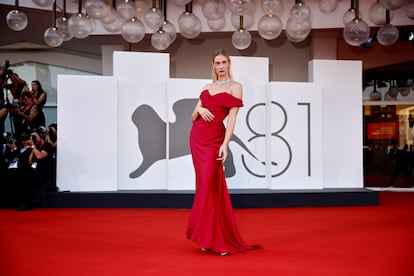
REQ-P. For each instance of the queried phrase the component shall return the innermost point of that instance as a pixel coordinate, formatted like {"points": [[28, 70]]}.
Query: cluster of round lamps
{"points": [[130, 18]]}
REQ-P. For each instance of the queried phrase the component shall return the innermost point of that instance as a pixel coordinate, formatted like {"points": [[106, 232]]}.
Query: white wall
{"points": [[87, 155], [341, 83]]}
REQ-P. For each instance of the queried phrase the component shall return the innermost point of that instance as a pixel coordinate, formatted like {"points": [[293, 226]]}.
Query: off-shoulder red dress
{"points": [[212, 223]]}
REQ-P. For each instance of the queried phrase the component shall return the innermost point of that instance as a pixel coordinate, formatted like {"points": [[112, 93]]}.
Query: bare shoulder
{"points": [[207, 86], [235, 83], [236, 89]]}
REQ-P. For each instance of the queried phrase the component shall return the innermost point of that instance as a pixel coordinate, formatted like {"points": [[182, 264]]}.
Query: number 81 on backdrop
{"points": [[293, 136]]}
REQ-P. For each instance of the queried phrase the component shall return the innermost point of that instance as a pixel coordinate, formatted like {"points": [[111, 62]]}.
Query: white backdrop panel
{"points": [[248, 144], [182, 96], [142, 121], [87, 120], [295, 135], [251, 69], [141, 66], [253, 74], [341, 83]]}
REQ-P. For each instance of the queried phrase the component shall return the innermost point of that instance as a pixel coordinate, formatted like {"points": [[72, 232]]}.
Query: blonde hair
{"points": [[220, 52]]}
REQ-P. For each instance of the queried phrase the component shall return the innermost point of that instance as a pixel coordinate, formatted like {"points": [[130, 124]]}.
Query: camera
{"points": [[42, 129], [12, 105], [9, 138], [25, 137]]}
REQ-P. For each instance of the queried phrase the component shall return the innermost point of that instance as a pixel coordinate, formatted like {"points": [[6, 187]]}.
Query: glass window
{"points": [[46, 74], [388, 144]]}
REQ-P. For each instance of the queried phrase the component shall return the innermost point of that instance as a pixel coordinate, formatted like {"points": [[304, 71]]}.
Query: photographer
{"points": [[16, 87], [3, 107], [3, 115], [51, 137], [41, 162], [36, 171], [28, 116], [3, 80], [17, 177], [12, 87], [40, 95]]}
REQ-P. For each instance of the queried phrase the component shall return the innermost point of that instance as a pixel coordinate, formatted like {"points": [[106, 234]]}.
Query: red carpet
{"points": [[367, 240]]}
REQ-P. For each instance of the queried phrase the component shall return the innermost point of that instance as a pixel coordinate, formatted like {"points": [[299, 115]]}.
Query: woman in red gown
{"points": [[212, 223]]}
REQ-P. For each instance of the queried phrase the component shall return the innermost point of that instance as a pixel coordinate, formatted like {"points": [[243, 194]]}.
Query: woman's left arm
{"points": [[42, 99], [231, 123], [34, 111]]}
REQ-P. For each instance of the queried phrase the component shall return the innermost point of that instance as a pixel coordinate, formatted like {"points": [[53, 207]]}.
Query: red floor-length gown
{"points": [[212, 223]]}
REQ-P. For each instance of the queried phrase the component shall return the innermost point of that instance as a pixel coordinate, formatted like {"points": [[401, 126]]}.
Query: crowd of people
{"points": [[28, 151]]}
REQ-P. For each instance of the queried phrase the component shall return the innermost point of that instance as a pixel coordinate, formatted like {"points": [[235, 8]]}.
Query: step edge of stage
{"points": [[241, 198]]}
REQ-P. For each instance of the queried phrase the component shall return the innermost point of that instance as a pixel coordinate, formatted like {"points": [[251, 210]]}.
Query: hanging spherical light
{"points": [[141, 8], [214, 9], [273, 7], [93, 23], [375, 95], [114, 26], [154, 18], [248, 20], [393, 90], [52, 37], [376, 14], [216, 25], [270, 26], [79, 25], [388, 97], [298, 30], [327, 6], [43, 3], [160, 40], [126, 9], [387, 35], [356, 32], [239, 7], [253, 6], [404, 91], [181, 2], [300, 11], [16, 20], [111, 17], [133, 30], [189, 25], [97, 9], [349, 15], [241, 39], [63, 29], [170, 29], [392, 4]]}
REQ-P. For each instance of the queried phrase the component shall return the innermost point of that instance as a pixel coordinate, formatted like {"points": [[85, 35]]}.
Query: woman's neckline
{"points": [[218, 93], [220, 83]]}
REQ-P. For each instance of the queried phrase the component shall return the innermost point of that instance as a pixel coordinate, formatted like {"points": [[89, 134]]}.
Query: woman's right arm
{"points": [[195, 114], [199, 110]]}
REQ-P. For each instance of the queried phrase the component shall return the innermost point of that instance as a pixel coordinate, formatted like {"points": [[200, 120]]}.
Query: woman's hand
{"points": [[205, 114], [222, 154]]}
